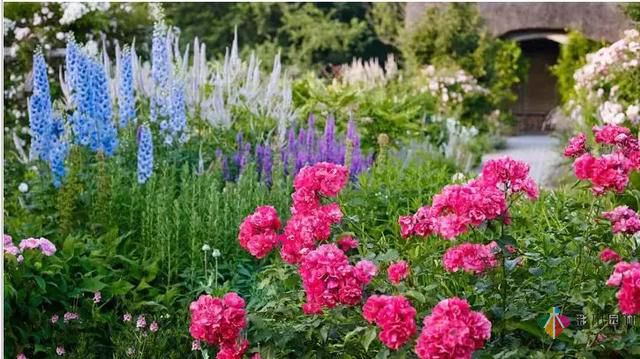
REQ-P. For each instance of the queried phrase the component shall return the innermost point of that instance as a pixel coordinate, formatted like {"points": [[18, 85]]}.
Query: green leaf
{"points": [[416, 295], [41, 283], [92, 284], [121, 287], [368, 337]]}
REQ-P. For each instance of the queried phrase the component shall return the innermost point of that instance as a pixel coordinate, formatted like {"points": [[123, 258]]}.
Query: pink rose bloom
{"points": [[452, 330], [347, 243], [608, 172], [258, 231], [217, 321], [619, 271], [509, 175], [394, 315], [611, 134], [60, 351], [365, 271], [471, 258], [397, 272], [154, 326], [629, 293], [327, 179], [609, 255], [233, 350], [328, 279], [623, 220], [407, 224], [576, 146]]}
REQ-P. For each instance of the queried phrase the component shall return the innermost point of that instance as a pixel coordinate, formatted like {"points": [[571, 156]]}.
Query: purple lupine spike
{"points": [[244, 157], [226, 174], [267, 165], [218, 153], [328, 140], [259, 156], [311, 135], [289, 151]]}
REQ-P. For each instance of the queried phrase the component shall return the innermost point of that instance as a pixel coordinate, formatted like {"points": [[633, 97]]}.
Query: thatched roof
{"points": [[596, 20]]}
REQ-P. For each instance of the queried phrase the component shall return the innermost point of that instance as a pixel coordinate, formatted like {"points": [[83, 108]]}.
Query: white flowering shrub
{"points": [[608, 85], [367, 74]]}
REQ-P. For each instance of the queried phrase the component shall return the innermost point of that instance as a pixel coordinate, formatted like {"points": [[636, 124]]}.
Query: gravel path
{"points": [[539, 151]]}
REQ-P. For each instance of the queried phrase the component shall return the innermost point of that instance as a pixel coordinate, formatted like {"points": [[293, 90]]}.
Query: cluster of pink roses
{"points": [[326, 274], [329, 279], [310, 221], [258, 233], [609, 171], [626, 276], [452, 330], [394, 315], [471, 257], [220, 321], [460, 206], [44, 245], [623, 220]]}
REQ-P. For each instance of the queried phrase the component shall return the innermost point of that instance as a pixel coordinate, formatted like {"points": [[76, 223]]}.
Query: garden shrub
{"points": [[572, 57]]}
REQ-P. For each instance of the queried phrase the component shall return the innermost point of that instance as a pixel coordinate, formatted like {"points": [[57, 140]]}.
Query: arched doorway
{"points": [[538, 94]]}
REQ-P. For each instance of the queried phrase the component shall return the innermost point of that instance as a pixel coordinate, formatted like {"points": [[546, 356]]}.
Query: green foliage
{"points": [[454, 36], [632, 10], [308, 36], [572, 57]]}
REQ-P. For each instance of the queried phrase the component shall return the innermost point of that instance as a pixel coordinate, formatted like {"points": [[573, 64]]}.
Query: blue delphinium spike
{"points": [[106, 139], [126, 96], [160, 70], [58, 150], [145, 154], [39, 108]]}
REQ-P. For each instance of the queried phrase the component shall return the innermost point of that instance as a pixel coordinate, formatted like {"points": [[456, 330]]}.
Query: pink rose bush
{"points": [[394, 315], [220, 321], [452, 330], [461, 206], [328, 278], [471, 258], [397, 272], [610, 171], [310, 222], [626, 276]]}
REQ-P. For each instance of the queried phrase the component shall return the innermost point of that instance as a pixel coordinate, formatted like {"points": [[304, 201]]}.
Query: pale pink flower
{"points": [[69, 316], [141, 323], [54, 319], [126, 317], [154, 326], [195, 345], [97, 297], [60, 351]]}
